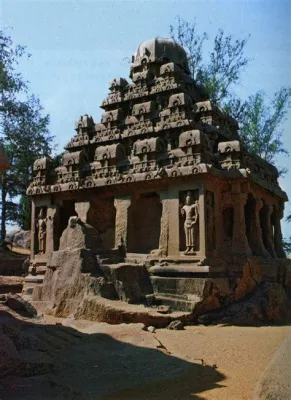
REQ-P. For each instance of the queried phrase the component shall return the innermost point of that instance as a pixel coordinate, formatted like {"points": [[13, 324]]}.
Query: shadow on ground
{"points": [[96, 366]]}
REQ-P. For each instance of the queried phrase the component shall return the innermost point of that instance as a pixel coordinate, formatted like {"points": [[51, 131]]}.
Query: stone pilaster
{"points": [[278, 215], [164, 235], [121, 205], [82, 208], [32, 232], [240, 243], [173, 222], [202, 223], [256, 235], [218, 223], [269, 231]]}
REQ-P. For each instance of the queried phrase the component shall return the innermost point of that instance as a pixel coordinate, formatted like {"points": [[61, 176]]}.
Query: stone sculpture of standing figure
{"points": [[190, 212], [41, 227]]}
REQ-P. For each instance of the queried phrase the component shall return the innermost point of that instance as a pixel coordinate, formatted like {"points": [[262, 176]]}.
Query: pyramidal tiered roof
{"points": [[160, 126]]}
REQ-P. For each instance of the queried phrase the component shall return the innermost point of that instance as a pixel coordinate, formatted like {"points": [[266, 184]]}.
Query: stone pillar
{"points": [[278, 215], [121, 205], [52, 215], [219, 248], [269, 231], [173, 222], [256, 231], [202, 222], [240, 243], [164, 235], [32, 232], [82, 208]]}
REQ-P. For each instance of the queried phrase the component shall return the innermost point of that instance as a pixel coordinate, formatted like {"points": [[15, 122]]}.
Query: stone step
{"points": [[111, 260], [178, 286], [175, 303]]}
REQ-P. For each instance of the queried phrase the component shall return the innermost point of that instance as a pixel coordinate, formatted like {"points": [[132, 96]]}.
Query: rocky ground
{"points": [[48, 358]]}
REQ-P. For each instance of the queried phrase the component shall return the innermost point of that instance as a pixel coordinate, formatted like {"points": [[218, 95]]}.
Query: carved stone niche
{"points": [[40, 230], [147, 149], [84, 127], [192, 141], [145, 110], [230, 154], [112, 118], [189, 222], [73, 162], [41, 170], [110, 155]]}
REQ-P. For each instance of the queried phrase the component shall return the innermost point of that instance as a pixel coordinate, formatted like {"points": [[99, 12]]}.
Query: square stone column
{"points": [[164, 235], [202, 222], [121, 205], [256, 235], [170, 219], [240, 243], [32, 232], [82, 208], [278, 237]]}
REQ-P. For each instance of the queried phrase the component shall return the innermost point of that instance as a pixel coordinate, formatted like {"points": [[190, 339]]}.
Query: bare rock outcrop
{"points": [[268, 303], [19, 238], [75, 272]]}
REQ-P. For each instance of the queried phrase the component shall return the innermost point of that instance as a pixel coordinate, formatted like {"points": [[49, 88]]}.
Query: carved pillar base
{"points": [[121, 205]]}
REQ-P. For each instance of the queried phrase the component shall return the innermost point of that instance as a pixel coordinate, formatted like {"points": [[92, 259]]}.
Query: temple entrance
{"points": [[189, 210], [101, 216], [144, 224], [66, 210]]}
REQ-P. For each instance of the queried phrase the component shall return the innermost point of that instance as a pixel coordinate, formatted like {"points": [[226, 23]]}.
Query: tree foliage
{"points": [[23, 132], [260, 120]]}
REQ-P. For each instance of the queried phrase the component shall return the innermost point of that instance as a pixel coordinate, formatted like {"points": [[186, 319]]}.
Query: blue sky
{"points": [[78, 46]]}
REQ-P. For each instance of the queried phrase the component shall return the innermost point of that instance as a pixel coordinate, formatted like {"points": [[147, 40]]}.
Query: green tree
{"points": [[220, 71], [23, 132]]}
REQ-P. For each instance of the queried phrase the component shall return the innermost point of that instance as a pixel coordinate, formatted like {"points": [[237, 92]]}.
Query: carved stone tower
{"points": [[165, 176]]}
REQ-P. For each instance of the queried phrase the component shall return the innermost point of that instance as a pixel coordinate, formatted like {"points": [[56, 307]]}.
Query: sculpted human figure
{"points": [[41, 227], [190, 212]]}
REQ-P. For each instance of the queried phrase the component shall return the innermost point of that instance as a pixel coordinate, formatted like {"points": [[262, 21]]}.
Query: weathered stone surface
{"points": [[19, 238], [11, 284], [176, 326], [95, 308], [79, 235], [267, 303], [18, 304], [131, 281]]}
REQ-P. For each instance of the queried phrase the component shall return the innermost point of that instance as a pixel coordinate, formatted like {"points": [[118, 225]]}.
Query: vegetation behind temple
{"points": [[260, 119], [24, 133]]}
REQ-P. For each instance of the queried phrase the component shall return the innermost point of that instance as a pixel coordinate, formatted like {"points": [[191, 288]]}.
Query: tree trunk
{"points": [[3, 202]]}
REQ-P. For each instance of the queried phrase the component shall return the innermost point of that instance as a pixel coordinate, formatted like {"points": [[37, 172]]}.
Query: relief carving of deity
{"points": [[41, 231], [190, 212]]}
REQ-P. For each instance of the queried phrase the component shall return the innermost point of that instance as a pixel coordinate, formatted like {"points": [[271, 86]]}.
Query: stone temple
{"points": [[160, 202]]}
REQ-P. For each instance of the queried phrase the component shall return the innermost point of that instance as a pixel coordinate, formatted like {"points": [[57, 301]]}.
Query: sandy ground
{"points": [[100, 361]]}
